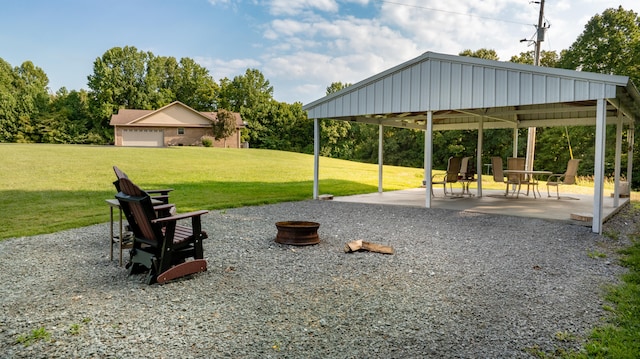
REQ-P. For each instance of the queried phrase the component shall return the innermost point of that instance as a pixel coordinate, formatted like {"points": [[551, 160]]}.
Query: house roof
{"points": [[144, 118], [460, 90]]}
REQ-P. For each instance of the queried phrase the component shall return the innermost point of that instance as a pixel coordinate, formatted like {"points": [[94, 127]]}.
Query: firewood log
{"points": [[359, 244]]}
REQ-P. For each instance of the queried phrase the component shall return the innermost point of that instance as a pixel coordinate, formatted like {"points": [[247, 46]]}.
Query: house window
{"points": [[181, 130]]}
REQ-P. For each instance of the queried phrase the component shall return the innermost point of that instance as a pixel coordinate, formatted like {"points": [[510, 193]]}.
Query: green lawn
{"points": [[47, 188]]}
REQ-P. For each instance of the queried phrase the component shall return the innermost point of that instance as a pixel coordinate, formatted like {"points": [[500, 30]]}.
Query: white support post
{"points": [[479, 157], [428, 158], [618, 159], [515, 142], [380, 158], [598, 171], [531, 149], [316, 157], [630, 139]]}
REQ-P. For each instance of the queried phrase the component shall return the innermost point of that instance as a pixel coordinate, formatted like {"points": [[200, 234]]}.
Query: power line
{"points": [[452, 12]]}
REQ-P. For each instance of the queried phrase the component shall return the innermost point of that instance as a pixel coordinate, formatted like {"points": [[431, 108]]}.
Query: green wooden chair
{"points": [[161, 246]]}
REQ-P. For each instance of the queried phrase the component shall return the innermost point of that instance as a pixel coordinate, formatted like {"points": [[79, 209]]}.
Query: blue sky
{"points": [[301, 46]]}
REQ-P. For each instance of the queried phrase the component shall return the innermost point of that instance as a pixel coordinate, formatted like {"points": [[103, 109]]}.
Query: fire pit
{"points": [[297, 233]]}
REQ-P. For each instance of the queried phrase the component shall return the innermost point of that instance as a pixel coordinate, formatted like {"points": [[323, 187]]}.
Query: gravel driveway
{"points": [[460, 285]]}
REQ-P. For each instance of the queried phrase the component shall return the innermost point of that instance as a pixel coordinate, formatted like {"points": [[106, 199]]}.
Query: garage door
{"points": [[143, 138]]}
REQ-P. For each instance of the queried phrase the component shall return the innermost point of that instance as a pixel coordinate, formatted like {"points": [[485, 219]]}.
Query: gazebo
{"points": [[435, 92]]}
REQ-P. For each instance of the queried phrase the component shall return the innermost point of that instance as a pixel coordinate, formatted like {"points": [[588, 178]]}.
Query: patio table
{"points": [[532, 174]]}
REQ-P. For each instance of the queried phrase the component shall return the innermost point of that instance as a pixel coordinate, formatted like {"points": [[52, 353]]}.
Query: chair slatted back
{"points": [[119, 175], [453, 169], [466, 168], [516, 163], [572, 172], [119, 172], [139, 211], [496, 167]]}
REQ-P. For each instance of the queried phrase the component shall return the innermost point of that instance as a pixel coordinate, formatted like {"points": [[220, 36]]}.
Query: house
{"points": [[173, 125]]}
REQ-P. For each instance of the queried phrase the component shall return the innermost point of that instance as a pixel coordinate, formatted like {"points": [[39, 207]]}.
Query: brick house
{"points": [[173, 125]]}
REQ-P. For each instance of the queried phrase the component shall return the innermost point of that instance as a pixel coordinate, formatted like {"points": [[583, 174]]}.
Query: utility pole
{"points": [[540, 32]]}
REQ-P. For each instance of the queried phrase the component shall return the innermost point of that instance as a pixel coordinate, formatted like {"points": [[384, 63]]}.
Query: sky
{"points": [[300, 46]]}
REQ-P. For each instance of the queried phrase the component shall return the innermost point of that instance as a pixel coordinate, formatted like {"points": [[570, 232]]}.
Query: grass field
{"points": [[47, 188]]}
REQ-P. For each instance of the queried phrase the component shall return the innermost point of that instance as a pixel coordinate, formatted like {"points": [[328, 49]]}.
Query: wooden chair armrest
{"points": [[163, 191], [164, 210], [160, 198], [180, 216], [162, 207]]}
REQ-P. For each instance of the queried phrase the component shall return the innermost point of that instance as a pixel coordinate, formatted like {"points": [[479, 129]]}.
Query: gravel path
{"points": [[460, 285]]}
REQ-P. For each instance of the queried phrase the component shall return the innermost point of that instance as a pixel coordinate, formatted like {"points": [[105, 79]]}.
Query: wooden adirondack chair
{"points": [[161, 195], [160, 244]]}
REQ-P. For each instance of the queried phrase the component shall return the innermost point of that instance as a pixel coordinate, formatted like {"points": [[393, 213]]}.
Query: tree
{"points": [[244, 91], [118, 81], [488, 54], [249, 94], [8, 103], [337, 137], [279, 125], [404, 147], [160, 80], [224, 126], [609, 44], [193, 86], [23, 100], [68, 119], [547, 58]]}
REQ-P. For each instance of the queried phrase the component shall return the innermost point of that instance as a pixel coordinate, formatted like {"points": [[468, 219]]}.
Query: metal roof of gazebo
{"points": [[445, 92]]}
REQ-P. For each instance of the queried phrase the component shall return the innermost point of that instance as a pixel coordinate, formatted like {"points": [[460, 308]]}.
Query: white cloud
{"points": [[219, 69], [219, 2], [225, 4], [289, 7], [345, 49], [309, 44], [288, 27], [464, 24]]}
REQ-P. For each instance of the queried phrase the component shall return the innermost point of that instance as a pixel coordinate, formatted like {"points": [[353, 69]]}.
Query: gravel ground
{"points": [[459, 286]]}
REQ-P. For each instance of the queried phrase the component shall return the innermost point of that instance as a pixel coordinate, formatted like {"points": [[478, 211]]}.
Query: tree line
{"points": [[129, 78]]}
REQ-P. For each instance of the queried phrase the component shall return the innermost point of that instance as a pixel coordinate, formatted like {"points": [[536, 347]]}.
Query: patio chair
{"points": [[567, 178], [161, 195], [518, 163], [160, 244], [451, 177], [466, 175], [498, 175]]}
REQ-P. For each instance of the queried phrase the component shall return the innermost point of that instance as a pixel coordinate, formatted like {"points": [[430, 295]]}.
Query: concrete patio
{"points": [[494, 202]]}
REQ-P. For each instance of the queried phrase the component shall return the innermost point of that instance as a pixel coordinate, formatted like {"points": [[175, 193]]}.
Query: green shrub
{"points": [[207, 141]]}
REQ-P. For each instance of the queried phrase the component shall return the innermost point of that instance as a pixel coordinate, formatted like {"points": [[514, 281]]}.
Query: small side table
{"points": [[113, 239], [465, 186]]}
